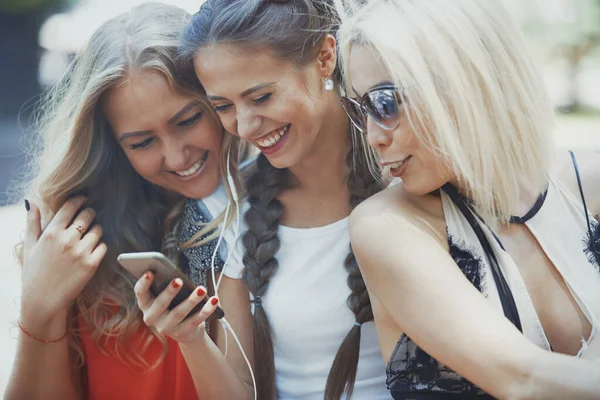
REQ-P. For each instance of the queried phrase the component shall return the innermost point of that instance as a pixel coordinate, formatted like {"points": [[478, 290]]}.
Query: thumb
{"points": [[34, 228]]}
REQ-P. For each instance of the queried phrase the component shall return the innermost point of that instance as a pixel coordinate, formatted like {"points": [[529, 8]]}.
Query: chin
{"points": [[421, 187], [281, 162], [199, 188]]}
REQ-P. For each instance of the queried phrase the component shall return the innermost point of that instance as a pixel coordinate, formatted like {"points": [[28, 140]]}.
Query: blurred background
{"points": [[38, 39]]}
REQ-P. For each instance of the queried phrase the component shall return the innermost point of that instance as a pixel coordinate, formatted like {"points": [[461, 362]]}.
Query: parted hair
{"points": [[295, 31], [466, 74], [77, 152]]}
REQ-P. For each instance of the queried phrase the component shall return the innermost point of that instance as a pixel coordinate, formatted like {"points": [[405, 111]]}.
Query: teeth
{"points": [[397, 164], [193, 169], [273, 139]]}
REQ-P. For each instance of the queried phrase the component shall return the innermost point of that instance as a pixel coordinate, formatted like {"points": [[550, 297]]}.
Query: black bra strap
{"points": [[506, 298], [585, 209]]}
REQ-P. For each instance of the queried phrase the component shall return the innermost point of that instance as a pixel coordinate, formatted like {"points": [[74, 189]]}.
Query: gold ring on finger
{"points": [[79, 228]]}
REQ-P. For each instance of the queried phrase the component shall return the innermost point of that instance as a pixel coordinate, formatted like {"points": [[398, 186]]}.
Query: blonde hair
{"points": [[77, 153], [466, 75]]}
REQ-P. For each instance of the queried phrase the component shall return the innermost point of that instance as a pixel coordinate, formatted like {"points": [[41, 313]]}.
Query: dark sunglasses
{"points": [[380, 103]]}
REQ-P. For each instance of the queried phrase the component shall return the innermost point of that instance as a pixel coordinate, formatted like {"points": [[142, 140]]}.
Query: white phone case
{"points": [[162, 268]]}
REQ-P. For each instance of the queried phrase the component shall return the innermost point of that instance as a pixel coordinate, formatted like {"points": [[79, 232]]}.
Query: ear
{"points": [[327, 56]]}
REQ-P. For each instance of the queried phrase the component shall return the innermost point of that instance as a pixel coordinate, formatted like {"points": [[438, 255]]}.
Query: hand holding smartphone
{"points": [[164, 272]]}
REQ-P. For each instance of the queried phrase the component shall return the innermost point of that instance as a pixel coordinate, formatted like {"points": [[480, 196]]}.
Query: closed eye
{"points": [[142, 145], [191, 121], [222, 108], [262, 99]]}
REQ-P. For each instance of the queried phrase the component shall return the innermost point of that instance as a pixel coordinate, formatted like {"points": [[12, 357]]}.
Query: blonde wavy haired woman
{"points": [[469, 300], [126, 136]]}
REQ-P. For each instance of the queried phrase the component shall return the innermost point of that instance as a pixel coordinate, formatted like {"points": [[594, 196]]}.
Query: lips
{"points": [[273, 138], [194, 168], [397, 168], [398, 164]]}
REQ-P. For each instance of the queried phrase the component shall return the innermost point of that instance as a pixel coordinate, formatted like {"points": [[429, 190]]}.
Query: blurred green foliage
{"points": [[567, 30]]}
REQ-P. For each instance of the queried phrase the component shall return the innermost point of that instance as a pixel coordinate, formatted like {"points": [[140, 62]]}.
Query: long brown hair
{"points": [[78, 153], [295, 31]]}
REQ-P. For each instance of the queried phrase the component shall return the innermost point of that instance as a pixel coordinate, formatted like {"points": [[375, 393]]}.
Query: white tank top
{"points": [[306, 304], [305, 300]]}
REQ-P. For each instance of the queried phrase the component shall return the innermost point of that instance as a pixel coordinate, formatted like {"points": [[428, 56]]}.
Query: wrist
{"points": [[194, 345], [44, 328]]}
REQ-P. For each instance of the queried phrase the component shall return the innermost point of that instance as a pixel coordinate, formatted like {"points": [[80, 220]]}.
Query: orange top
{"points": [[109, 378]]}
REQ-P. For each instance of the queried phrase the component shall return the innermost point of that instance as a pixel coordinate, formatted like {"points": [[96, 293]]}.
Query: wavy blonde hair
{"points": [[77, 152], [466, 74]]}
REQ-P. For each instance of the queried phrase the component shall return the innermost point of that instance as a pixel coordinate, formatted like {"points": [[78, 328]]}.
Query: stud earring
{"points": [[328, 84]]}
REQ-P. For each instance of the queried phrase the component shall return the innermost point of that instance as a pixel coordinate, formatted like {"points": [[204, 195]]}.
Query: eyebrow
{"points": [[245, 92], [171, 121], [185, 109], [128, 135]]}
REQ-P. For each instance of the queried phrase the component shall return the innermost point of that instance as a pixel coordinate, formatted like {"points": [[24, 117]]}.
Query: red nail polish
{"points": [[147, 276], [176, 284], [200, 292], [214, 301]]}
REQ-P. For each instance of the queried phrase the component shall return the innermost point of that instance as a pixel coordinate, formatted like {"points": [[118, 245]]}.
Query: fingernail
{"points": [[176, 283], [27, 206], [214, 301], [200, 292], [147, 276]]}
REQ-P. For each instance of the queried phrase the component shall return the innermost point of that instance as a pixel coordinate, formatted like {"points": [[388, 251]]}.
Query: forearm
{"points": [[213, 377], [42, 370], [557, 376]]}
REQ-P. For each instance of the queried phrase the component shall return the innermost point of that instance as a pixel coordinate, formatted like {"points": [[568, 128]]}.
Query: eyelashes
{"points": [[191, 121], [222, 108], [183, 124], [258, 101], [262, 99], [141, 145]]}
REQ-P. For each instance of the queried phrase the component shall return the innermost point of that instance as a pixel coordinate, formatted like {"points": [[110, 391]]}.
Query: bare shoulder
{"points": [[394, 213], [588, 164], [393, 201]]}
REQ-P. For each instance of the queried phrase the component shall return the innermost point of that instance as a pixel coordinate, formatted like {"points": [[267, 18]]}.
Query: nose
{"points": [[377, 137], [175, 155], [247, 124]]}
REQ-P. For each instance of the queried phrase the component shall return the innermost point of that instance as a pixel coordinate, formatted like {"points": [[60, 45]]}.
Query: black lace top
{"points": [[414, 374]]}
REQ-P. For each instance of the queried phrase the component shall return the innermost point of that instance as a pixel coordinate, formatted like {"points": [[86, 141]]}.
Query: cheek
{"points": [[148, 164], [212, 132], [300, 104], [228, 120]]}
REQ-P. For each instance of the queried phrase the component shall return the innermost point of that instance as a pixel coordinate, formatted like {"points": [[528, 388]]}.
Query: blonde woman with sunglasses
{"points": [[483, 264]]}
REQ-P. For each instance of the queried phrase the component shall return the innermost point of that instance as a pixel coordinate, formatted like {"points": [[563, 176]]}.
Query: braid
{"points": [[362, 184], [262, 243]]}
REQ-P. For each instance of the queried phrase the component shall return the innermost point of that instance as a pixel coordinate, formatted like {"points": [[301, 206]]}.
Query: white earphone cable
{"points": [[230, 249]]}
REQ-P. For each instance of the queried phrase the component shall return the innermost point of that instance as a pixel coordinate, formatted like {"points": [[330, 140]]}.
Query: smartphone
{"points": [[164, 272]]}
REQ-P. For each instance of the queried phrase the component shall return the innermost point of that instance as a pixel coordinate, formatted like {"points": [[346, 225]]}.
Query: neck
{"points": [[326, 167]]}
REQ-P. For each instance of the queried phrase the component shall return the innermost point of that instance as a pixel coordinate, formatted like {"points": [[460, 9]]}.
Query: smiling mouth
{"points": [[398, 164], [273, 138], [193, 169]]}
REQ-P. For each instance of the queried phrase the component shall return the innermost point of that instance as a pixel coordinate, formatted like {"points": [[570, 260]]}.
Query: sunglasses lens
{"points": [[355, 113], [382, 106]]}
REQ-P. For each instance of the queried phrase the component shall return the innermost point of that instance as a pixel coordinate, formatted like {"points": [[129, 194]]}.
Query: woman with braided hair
{"points": [[270, 71]]}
